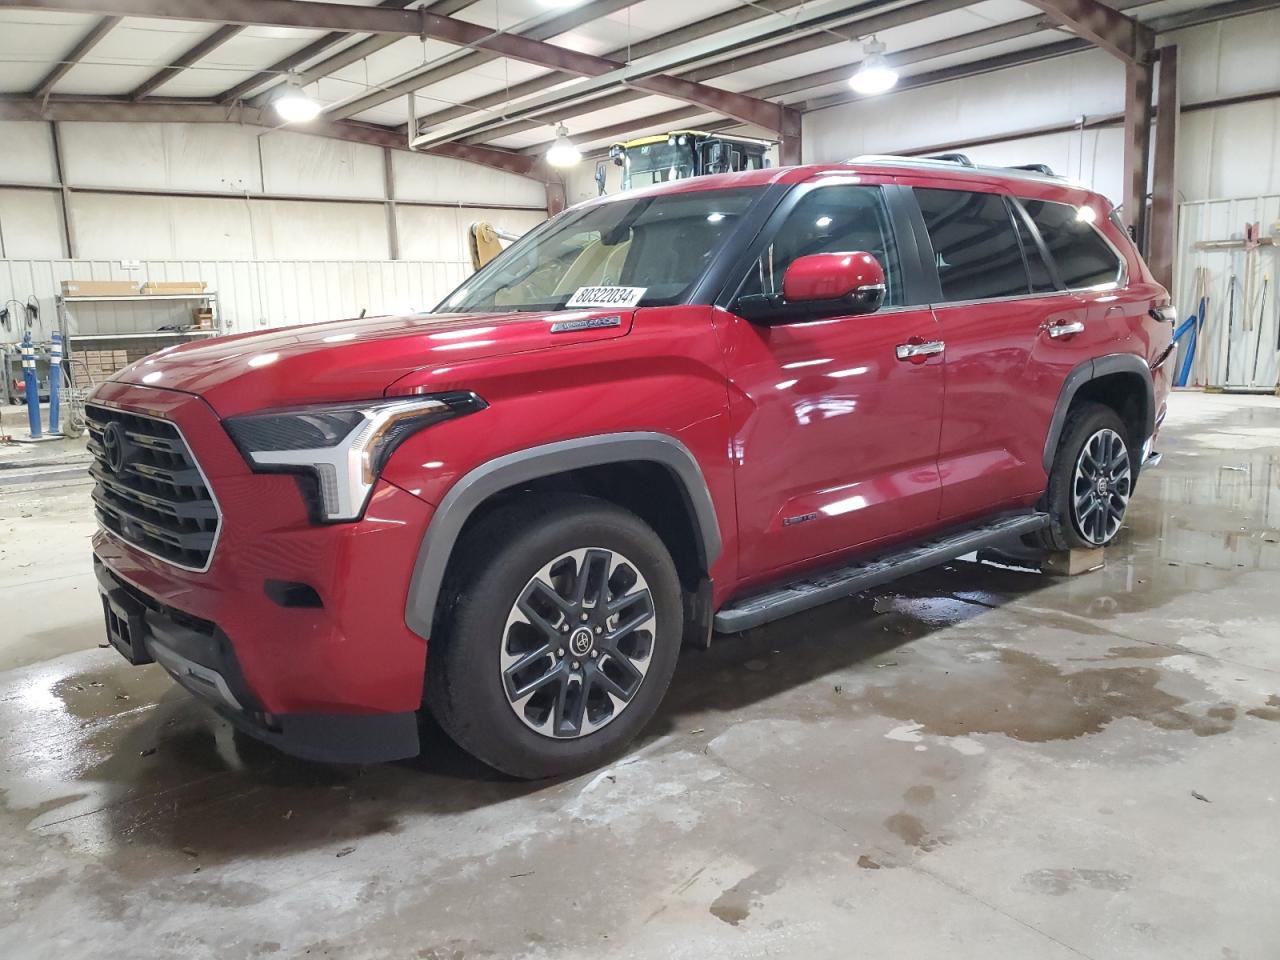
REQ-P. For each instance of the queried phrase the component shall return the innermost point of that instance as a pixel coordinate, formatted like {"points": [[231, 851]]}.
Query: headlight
{"points": [[342, 447]]}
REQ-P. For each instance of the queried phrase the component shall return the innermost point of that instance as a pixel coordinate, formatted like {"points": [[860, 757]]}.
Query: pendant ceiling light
{"points": [[563, 153], [294, 106], [874, 75]]}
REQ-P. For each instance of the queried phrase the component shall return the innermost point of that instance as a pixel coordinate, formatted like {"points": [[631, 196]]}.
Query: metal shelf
{"points": [[158, 334], [142, 297]]}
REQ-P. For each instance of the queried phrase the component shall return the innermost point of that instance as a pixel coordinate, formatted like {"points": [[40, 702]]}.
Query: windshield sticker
{"points": [[606, 297], [585, 323]]}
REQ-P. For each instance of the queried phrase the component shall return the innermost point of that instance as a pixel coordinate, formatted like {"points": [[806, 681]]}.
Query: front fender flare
{"points": [[504, 472]]}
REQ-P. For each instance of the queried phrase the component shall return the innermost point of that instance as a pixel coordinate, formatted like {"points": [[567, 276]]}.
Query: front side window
{"points": [[836, 219], [662, 244], [975, 244], [1083, 258]]}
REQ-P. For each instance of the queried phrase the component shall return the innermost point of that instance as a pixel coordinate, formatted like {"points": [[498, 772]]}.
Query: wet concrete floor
{"points": [[980, 761]]}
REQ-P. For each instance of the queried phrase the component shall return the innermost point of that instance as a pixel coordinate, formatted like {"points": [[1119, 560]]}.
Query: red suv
{"points": [[692, 408]]}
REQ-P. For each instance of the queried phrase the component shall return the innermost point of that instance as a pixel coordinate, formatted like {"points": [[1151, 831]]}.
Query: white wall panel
{"points": [[292, 230], [118, 227], [429, 179], [1222, 152], [26, 149], [440, 233], [30, 224], [162, 156], [1254, 321], [297, 165], [252, 294]]}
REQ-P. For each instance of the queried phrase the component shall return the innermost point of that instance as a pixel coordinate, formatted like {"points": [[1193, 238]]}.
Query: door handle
{"points": [[919, 351], [1057, 330]]}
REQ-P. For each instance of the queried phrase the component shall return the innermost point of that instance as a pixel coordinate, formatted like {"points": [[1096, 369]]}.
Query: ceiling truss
{"points": [[675, 65]]}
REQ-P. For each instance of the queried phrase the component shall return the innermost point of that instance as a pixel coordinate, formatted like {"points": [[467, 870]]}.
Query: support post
{"points": [[555, 197], [1137, 149], [68, 227], [31, 381], [55, 384], [389, 192], [789, 150], [1163, 231]]}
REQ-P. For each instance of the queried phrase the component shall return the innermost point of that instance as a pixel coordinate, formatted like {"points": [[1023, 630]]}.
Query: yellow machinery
{"points": [[644, 161], [681, 154], [485, 242]]}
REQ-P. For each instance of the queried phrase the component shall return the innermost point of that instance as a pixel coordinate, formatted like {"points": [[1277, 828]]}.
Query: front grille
{"points": [[149, 491]]}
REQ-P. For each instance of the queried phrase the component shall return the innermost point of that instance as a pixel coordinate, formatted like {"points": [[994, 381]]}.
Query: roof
{"points": [[481, 79]]}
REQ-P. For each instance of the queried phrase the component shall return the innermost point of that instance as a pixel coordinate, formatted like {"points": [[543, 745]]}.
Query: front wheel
{"points": [[561, 640], [1090, 481]]}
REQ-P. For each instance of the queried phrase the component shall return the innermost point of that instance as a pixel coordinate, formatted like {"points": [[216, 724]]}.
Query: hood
{"points": [[356, 359]]}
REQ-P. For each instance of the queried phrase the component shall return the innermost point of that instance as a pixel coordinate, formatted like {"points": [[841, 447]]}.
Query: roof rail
{"points": [[1030, 171], [1035, 168]]}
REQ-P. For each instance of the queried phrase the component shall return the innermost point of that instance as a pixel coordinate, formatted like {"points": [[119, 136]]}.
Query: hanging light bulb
{"points": [[874, 75], [563, 153], [294, 106]]}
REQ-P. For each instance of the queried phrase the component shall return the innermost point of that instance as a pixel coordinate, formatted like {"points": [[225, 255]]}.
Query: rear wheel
{"points": [[562, 639], [1090, 481]]}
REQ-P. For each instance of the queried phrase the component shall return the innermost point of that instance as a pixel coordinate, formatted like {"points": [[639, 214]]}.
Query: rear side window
{"points": [[836, 219], [1041, 279], [975, 245], [1083, 258]]}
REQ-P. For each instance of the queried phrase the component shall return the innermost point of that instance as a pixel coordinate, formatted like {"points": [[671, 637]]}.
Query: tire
{"points": [[1087, 501], [514, 594]]}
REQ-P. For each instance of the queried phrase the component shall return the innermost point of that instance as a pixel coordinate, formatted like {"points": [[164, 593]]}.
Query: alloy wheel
{"points": [[1101, 487], [577, 643]]}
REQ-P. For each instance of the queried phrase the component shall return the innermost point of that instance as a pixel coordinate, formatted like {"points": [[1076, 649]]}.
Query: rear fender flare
{"points": [[1093, 370], [522, 466]]}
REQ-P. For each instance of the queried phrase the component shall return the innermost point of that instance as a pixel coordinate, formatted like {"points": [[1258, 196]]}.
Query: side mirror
{"points": [[820, 285]]}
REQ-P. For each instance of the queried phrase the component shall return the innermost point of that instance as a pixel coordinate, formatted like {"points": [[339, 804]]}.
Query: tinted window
{"points": [[974, 244], [1041, 280], [836, 219], [1083, 258], [662, 243]]}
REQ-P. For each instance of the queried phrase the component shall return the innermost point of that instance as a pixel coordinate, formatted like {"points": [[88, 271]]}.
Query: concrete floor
{"points": [[980, 762]]}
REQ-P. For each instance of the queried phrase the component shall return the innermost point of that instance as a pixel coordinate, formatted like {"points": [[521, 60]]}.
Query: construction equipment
{"points": [[484, 240], [682, 154]]}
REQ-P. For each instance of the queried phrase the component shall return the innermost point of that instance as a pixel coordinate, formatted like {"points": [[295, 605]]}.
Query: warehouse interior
{"points": [[980, 759]]}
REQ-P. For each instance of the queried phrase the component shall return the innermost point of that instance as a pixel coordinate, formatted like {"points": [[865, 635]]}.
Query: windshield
{"points": [[659, 244], [656, 163]]}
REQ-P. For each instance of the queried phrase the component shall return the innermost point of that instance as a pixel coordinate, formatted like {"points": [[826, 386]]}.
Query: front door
{"points": [[835, 438]]}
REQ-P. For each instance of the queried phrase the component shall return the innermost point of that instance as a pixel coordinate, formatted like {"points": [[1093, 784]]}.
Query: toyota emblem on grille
{"points": [[115, 446]]}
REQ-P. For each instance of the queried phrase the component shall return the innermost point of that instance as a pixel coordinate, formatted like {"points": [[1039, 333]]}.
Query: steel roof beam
{"points": [[546, 27], [76, 54], [197, 52], [1103, 26], [158, 110], [769, 54], [321, 15], [686, 34], [274, 74], [651, 74]]}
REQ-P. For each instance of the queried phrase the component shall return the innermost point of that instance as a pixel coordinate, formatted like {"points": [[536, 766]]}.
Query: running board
{"points": [[817, 589]]}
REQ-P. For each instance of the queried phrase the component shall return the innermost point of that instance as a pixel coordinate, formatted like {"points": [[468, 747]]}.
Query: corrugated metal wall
{"points": [[252, 295], [1255, 320]]}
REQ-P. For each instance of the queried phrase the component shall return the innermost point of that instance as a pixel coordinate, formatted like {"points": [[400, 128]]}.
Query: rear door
{"points": [[1000, 309], [835, 438]]}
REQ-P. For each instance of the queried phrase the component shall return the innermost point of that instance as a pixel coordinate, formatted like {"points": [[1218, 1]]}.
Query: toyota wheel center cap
{"points": [[581, 641]]}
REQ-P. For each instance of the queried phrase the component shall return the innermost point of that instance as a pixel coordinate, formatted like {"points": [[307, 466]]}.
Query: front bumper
{"points": [[296, 630], [200, 657]]}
